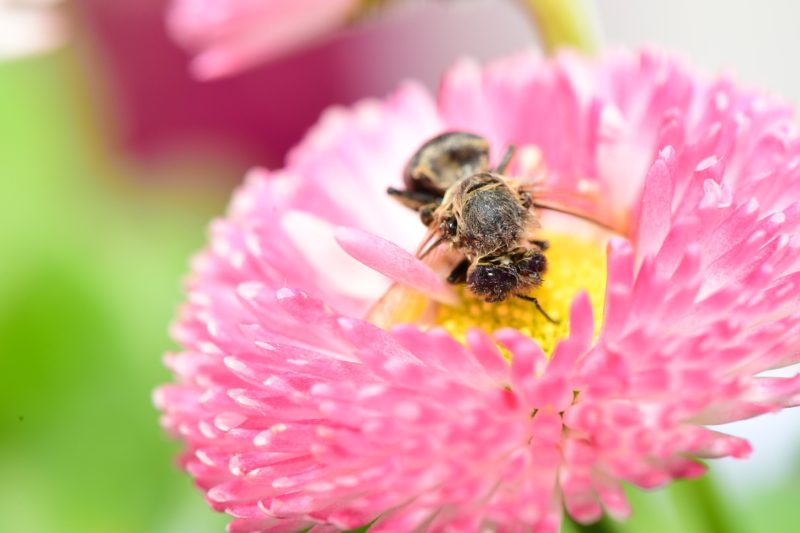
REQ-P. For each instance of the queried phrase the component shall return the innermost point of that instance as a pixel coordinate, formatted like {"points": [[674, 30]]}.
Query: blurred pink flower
{"points": [[29, 27], [229, 35], [298, 412], [245, 118]]}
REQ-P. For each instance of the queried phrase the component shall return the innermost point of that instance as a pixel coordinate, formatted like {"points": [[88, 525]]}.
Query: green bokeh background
{"points": [[92, 247]]}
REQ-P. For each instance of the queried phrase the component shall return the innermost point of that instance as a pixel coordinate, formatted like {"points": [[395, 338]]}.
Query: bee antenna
{"points": [[538, 306], [506, 159], [594, 221]]}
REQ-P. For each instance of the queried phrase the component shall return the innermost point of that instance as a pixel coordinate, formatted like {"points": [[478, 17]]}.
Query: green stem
{"points": [[563, 23], [603, 526], [366, 8], [700, 498]]}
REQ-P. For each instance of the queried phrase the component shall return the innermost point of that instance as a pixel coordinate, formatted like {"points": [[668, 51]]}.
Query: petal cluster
{"points": [[298, 412], [229, 35]]}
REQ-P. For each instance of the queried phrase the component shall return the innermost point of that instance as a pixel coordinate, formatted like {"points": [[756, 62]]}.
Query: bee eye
{"points": [[450, 227], [537, 264]]}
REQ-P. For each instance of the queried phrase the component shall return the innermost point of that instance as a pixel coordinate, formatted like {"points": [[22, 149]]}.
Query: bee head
{"points": [[536, 264], [492, 282]]}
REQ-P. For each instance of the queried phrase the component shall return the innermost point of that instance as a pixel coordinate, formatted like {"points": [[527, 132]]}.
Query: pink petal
{"points": [[393, 262]]}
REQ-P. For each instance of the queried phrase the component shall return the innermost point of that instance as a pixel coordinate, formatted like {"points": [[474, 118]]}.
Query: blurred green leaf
{"points": [[88, 283]]}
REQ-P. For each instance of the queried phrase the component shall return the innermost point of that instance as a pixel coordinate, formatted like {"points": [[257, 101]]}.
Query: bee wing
{"points": [[585, 206], [403, 304]]}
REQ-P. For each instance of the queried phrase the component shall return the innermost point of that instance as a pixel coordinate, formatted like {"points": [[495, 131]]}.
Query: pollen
{"points": [[574, 265]]}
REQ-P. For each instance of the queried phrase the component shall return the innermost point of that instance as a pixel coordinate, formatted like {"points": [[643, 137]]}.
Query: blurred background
{"points": [[112, 161]]}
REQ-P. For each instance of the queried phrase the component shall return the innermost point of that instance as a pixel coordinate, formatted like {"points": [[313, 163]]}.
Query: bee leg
{"points": [[506, 159], [544, 245], [538, 306], [413, 199], [426, 213], [459, 273]]}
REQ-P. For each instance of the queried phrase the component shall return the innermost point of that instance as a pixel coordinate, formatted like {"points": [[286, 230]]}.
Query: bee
{"points": [[436, 166], [485, 217]]}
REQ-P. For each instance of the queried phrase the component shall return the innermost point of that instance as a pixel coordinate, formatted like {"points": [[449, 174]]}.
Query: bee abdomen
{"points": [[444, 160]]}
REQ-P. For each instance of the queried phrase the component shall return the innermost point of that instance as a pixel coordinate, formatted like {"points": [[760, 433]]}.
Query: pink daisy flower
{"points": [[303, 402], [229, 35]]}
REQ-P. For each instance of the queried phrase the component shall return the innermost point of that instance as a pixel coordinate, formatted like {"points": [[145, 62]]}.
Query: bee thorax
{"points": [[492, 220]]}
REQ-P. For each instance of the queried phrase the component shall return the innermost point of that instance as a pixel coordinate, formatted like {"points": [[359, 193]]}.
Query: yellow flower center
{"points": [[574, 264]]}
